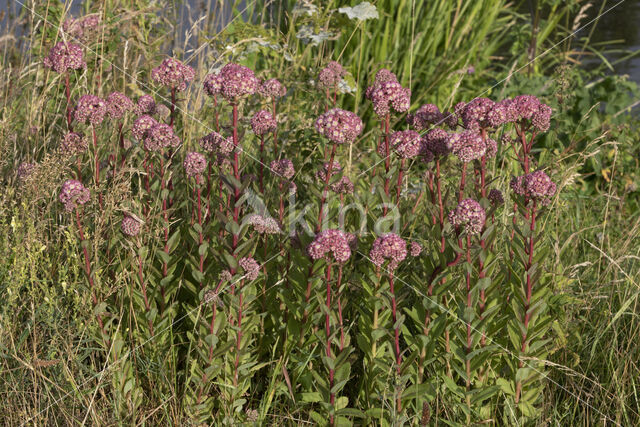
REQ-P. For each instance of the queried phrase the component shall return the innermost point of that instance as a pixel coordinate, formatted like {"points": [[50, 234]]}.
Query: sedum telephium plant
{"points": [[366, 292]]}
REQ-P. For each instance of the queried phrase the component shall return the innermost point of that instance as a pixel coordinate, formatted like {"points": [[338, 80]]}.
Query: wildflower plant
{"points": [[261, 259]]}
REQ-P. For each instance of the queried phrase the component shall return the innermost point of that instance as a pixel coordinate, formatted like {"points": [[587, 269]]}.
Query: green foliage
{"points": [[178, 334]]}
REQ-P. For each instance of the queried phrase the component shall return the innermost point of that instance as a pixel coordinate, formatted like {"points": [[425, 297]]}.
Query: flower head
{"points": [[263, 225], [468, 216], [541, 119], [525, 106], [331, 75], [535, 185], [330, 244], [91, 109], [343, 186], [272, 88], [146, 105], [495, 197], [160, 136], [387, 93], [118, 104], [216, 143], [65, 56], [283, 168], [322, 173], [389, 247], [251, 268], [435, 141], [237, 81], [475, 113], [406, 143], [194, 164], [212, 84], [339, 126], [427, 115], [73, 143], [72, 194], [81, 28], [130, 226], [263, 122], [25, 170], [141, 126], [415, 249], [467, 145], [173, 74]]}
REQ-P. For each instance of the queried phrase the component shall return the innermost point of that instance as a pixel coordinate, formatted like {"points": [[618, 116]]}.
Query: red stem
{"points": [[326, 188], [96, 164], [328, 335], [68, 94]]}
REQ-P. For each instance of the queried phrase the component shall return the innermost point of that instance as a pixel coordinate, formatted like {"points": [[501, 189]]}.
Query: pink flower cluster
{"points": [[415, 249], [495, 197], [65, 56], [272, 89], [73, 143], [263, 225], [234, 81], [387, 93], [90, 108], [343, 186], [25, 170], [160, 136], [331, 75], [283, 168], [321, 175], [485, 113], [251, 268], [173, 74], [406, 143], [389, 247], [72, 194], [329, 244], [339, 126], [430, 115], [142, 125], [194, 164], [118, 104], [468, 217], [146, 105], [263, 122], [435, 142], [535, 185], [467, 145], [216, 143], [81, 28], [130, 226]]}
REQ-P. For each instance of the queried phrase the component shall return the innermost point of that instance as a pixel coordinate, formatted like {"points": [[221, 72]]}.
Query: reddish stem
{"points": [[96, 164], [328, 335], [397, 335], [68, 94], [325, 191]]}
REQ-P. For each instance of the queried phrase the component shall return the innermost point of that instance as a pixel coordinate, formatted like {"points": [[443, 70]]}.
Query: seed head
{"points": [[406, 143], [160, 136]]}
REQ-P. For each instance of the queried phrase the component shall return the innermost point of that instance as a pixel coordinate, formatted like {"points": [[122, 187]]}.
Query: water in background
{"points": [[618, 25]]}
